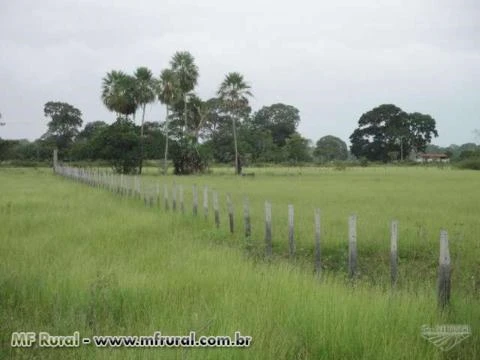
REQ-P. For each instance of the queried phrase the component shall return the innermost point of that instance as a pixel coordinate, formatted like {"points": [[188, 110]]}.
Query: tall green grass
{"points": [[424, 200], [78, 258]]}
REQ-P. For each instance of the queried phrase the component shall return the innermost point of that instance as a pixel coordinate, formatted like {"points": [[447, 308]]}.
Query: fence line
{"points": [[132, 187]]}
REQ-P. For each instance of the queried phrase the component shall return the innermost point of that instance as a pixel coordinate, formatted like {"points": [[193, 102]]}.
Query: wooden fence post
{"points": [[215, 209], [180, 194], [394, 253], [137, 187], [230, 212], [55, 160], [318, 263], [205, 201], [268, 229], [246, 217], [444, 271], [174, 197], [195, 199], [291, 239], [158, 194], [165, 196], [352, 246], [134, 186]]}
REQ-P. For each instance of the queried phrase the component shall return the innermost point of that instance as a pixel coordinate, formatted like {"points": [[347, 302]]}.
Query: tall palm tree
{"points": [[119, 93], [167, 92], [234, 93], [145, 89], [183, 65], [145, 94]]}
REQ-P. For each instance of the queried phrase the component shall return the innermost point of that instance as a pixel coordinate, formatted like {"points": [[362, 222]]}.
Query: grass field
{"points": [[76, 258]]}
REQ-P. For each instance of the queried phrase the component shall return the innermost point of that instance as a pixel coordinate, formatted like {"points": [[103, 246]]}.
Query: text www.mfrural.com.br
{"points": [[45, 339]]}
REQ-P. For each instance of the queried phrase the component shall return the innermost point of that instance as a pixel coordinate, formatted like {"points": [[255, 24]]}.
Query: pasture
{"points": [[77, 258]]}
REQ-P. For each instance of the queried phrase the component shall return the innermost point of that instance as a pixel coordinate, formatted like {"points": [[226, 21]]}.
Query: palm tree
{"points": [[183, 65], [167, 91], [119, 93], [145, 94], [145, 89], [234, 93]]}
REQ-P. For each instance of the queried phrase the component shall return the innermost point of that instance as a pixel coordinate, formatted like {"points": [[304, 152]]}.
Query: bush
{"points": [[119, 143], [25, 163], [364, 162], [339, 165], [470, 163], [186, 158]]}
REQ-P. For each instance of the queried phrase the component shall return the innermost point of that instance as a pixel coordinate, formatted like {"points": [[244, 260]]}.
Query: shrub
{"points": [[186, 158], [339, 165], [119, 144], [470, 163], [363, 162]]}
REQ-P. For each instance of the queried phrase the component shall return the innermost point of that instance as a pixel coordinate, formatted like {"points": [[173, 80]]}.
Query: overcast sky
{"points": [[333, 60]]}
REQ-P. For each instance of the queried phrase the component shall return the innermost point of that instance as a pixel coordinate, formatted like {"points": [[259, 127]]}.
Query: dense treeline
{"points": [[223, 129]]}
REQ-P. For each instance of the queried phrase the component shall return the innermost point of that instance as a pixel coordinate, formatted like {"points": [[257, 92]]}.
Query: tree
{"points": [[154, 140], [82, 148], [282, 121], [234, 93], [186, 158], [168, 91], [119, 143], [198, 115], [64, 124], [387, 129], [297, 148], [144, 94], [330, 148], [119, 93], [91, 129], [186, 72], [420, 128]]}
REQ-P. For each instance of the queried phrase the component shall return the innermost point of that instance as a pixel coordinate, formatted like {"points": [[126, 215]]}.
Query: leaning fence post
{"points": [[230, 212], [444, 271], [215, 209], [268, 229], [246, 217], [394, 253], [195, 199], [205, 201], [318, 263], [291, 239], [352, 246]]}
